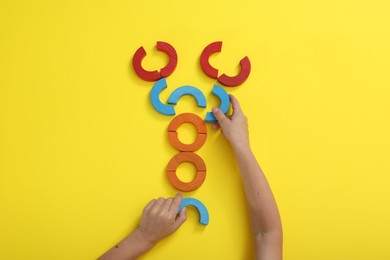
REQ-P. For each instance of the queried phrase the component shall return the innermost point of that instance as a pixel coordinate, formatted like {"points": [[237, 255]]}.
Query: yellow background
{"points": [[82, 150]]}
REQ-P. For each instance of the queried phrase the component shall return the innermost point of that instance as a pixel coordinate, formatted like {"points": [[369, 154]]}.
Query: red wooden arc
{"points": [[141, 72], [240, 78], [171, 66], [204, 59]]}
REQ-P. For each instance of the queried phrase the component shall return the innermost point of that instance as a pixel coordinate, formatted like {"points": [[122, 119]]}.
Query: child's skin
{"points": [[160, 218]]}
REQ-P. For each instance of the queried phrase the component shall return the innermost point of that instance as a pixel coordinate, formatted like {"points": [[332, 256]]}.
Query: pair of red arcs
{"points": [[204, 63], [155, 75]]}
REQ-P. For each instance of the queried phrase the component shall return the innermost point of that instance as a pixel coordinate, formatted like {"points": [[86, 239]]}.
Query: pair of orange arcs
{"points": [[187, 152], [229, 81]]}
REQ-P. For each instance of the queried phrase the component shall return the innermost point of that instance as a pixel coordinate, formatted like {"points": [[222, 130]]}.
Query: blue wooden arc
{"points": [[187, 90], [159, 86], [203, 213], [223, 96]]}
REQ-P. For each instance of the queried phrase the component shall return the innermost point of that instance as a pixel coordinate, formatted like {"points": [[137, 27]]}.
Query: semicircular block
{"points": [[203, 213], [155, 98], [240, 78], [204, 59], [171, 66], [223, 96], [187, 90], [139, 70]]}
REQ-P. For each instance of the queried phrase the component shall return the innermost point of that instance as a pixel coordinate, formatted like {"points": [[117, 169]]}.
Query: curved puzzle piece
{"points": [[155, 98], [187, 90], [139, 70], [203, 213], [225, 102], [168, 49], [204, 59], [155, 75], [240, 78]]}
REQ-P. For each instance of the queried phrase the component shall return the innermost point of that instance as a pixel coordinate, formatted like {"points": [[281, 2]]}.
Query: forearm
{"points": [[264, 214], [133, 246]]}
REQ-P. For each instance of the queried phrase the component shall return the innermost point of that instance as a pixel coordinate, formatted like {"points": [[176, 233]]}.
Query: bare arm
{"points": [[159, 220], [264, 214]]}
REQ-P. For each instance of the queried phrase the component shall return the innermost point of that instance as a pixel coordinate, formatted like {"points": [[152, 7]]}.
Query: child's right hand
{"points": [[234, 127]]}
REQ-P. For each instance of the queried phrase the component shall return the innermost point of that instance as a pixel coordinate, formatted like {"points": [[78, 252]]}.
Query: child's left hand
{"points": [[160, 218]]}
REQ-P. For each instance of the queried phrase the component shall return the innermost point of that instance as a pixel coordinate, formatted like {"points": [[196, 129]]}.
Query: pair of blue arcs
{"points": [[203, 213], [164, 109]]}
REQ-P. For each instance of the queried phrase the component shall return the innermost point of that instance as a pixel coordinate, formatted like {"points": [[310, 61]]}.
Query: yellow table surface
{"points": [[82, 150]]}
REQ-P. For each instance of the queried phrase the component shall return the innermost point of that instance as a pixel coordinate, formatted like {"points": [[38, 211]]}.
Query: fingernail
{"points": [[215, 109]]}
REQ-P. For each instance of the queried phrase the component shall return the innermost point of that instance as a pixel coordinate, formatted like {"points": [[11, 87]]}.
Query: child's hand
{"points": [[234, 127], [160, 218]]}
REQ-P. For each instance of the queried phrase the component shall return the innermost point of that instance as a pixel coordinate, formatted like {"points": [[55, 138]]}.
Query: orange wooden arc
{"points": [[191, 158], [187, 118]]}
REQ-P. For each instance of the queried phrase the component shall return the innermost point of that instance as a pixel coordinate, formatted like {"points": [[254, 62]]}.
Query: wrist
{"points": [[131, 247], [241, 147], [142, 239]]}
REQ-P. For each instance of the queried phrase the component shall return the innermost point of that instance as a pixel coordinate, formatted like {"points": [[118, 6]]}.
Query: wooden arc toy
{"points": [[229, 81], [155, 75], [187, 90], [238, 79], [171, 66], [155, 98], [187, 118], [223, 96], [204, 59], [203, 213], [186, 157]]}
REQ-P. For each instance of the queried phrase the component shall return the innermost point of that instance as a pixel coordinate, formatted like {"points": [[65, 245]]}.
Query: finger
{"points": [[167, 204], [181, 218], [216, 125], [176, 203], [149, 205], [222, 119], [159, 202], [235, 104]]}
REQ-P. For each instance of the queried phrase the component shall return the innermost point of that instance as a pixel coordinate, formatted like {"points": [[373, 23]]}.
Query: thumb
{"points": [[181, 218], [221, 118]]}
